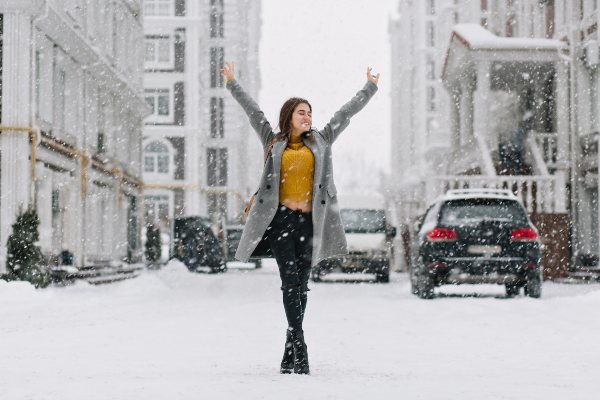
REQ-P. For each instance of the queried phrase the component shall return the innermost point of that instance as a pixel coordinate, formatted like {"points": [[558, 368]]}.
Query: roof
{"points": [[475, 37], [471, 43]]}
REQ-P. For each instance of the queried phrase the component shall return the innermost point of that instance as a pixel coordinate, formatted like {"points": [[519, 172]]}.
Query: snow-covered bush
{"points": [[153, 244], [23, 261]]}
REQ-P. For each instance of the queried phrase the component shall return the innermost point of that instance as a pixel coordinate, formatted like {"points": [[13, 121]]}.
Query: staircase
{"points": [[95, 273], [582, 275]]}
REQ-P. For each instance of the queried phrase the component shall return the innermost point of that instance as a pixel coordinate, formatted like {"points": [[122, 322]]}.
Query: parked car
{"points": [[369, 238], [196, 245], [233, 234], [476, 236]]}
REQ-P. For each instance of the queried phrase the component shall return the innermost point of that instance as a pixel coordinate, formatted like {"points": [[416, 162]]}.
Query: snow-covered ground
{"points": [[171, 334]]}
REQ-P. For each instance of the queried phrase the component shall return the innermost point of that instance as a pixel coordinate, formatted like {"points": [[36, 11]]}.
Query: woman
{"points": [[295, 211]]}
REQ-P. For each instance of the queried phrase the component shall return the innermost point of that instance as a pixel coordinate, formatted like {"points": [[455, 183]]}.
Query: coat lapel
{"points": [[314, 147], [278, 149]]}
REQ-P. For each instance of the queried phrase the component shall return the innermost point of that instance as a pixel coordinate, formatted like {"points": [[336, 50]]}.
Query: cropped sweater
{"points": [[297, 172]]}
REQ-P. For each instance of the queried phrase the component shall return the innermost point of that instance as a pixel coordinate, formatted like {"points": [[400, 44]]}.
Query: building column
{"points": [[455, 118], [481, 103], [562, 131], [15, 179], [466, 114], [193, 175]]}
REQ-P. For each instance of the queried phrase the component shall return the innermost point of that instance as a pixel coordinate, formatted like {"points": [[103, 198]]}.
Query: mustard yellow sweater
{"points": [[297, 171]]}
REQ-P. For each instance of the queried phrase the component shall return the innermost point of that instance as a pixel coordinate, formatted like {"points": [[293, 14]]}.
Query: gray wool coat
{"points": [[328, 233]]}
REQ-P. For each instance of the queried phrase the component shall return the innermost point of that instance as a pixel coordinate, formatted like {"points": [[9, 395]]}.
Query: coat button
{"points": [[322, 201], [260, 201], [320, 186], [268, 186]]}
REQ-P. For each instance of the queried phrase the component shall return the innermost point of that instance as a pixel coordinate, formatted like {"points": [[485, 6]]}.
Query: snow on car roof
{"points": [[481, 193]]}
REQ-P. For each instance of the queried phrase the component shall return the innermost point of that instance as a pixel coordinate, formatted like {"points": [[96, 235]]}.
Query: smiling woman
{"points": [[296, 216]]}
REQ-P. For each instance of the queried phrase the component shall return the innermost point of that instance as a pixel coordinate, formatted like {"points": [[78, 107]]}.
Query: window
{"points": [[156, 158], [216, 167], [431, 125], [37, 82], [100, 142], [101, 145], [430, 98], [157, 208], [511, 25], [158, 51], [550, 16], [216, 18], [217, 203], [159, 101], [430, 68], [430, 34], [431, 7], [217, 58], [216, 117], [594, 101], [154, 8], [59, 101]]}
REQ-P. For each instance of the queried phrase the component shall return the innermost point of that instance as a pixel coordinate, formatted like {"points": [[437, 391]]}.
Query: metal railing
{"points": [[538, 193], [547, 143]]}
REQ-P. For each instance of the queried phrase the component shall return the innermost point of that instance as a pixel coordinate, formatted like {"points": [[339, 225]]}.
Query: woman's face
{"points": [[301, 119]]}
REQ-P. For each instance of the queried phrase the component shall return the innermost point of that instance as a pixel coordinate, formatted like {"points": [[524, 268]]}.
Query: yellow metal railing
{"points": [[85, 159]]}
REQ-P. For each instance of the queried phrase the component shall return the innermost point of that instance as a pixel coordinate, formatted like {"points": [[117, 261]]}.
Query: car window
{"points": [[473, 211], [363, 220], [431, 216], [234, 234]]}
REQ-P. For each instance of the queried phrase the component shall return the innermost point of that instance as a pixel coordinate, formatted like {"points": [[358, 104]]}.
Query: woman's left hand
{"points": [[371, 77]]}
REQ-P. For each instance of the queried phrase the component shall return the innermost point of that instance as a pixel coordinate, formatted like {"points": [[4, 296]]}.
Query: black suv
{"points": [[476, 236], [195, 244]]}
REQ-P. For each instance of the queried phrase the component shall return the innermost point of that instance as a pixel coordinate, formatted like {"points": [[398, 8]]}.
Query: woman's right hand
{"points": [[227, 71]]}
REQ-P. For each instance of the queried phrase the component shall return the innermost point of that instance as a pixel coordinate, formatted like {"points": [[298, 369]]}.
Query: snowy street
{"points": [[171, 334]]}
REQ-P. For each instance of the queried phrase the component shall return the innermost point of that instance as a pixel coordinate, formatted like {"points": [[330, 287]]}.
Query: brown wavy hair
{"points": [[285, 117]]}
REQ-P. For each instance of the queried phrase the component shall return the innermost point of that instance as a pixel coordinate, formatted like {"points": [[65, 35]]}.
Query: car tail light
{"points": [[524, 235], [442, 235], [437, 265]]}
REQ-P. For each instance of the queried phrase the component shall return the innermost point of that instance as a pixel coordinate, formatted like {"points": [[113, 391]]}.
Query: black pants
{"points": [[290, 237]]}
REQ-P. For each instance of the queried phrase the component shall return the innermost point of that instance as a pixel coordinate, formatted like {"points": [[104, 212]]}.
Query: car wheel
{"points": [[383, 277], [425, 286], [533, 287], [316, 275], [220, 268], [512, 290]]}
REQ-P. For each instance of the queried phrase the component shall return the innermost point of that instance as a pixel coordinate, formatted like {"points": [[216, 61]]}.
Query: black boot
{"points": [[300, 353], [287, 363]]}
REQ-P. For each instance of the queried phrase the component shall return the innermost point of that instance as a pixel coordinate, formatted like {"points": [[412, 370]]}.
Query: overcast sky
{"points": [[320, 50]]}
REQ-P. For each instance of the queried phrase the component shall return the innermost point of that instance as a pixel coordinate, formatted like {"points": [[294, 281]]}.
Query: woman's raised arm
{"points": [[255, 114], [341, 119]]}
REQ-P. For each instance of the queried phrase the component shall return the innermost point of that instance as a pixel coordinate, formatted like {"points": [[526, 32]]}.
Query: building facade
{"points": [[474, 79], [71, 116], [196, 150]]}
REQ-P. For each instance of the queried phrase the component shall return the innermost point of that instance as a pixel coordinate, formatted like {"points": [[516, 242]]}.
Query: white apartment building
{"points": [[466, 73], [198, 158], [71, 117]]}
